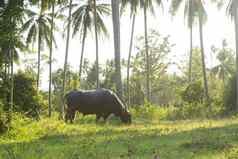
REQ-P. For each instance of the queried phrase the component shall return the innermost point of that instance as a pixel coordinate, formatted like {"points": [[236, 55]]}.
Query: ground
{"points": [[187, 139]]}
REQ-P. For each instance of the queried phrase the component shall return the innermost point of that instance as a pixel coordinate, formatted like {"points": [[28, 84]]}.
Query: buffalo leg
{"points": [[105, 116], [72, 116], [97, 117], [67, 115]]}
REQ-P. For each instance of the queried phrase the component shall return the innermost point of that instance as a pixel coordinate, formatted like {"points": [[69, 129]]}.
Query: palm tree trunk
{"points": [[39, 59], [116, 31], [129, 58], [50, 57], [8, 68], [203, 60], [11, 87], [82, 52], [191, 39], [66, 58], [191, 54], [147, 56], [223, 83], [5, 71], [96, 40], [236, 36]]}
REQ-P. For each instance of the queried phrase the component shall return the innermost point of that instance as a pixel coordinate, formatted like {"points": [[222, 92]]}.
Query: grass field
{"points": [[53, 139]]}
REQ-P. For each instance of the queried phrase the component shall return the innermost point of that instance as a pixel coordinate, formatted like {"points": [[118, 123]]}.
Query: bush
{"points": [[26, 98], [197, 110], [4, 93], [3, 120], [193, 93], [190, 111], [184, 111], [150, 112], [230, 95]]}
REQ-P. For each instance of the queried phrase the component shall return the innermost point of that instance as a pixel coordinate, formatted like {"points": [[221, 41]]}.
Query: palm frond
{"points": [[31, 36], [175, 5], [82, 18], [231, 8], [101, 26], [26, 26], [29, 12]]}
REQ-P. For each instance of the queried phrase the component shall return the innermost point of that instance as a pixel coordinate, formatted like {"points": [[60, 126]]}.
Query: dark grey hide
{"points": [[101, 102]]}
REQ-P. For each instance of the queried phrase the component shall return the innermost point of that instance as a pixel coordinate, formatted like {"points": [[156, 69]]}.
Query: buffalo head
{"points": [[126, 117]]}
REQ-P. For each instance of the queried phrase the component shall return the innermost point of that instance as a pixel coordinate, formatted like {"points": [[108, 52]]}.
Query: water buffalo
{"points": [[101, 102]]}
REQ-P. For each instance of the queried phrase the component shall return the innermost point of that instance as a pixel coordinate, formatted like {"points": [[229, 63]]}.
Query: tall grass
{"points": [[152, 112]]}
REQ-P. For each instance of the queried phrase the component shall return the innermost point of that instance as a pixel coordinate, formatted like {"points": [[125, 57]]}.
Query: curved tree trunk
{"points": [[66, 58], [5, 71], [11, 87], [236, 36], [82, 52], [147, 56], [129, 59], [9, 67], [39, 59], [96, 40], [116, 31], [50, 58], [191, 54], [191, 40], [203, 60]]}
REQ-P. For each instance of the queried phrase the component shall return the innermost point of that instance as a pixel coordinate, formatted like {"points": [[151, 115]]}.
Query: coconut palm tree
{"points": [[133, 7], [46, 5], [117, 51], [51, 4], [225, 68], [38, 29], [96, 39], [195, 9], [83, 22], [202, 17], [189, 14], [129, 58], [145, 5], [50, 57], [11, 18], [232, 10], [66, 56]]}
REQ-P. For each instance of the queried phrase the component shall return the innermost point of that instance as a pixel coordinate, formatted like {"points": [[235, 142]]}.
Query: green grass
{"points": [[53, 139]]}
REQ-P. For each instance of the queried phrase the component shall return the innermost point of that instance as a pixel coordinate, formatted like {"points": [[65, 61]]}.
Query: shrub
{"points": [[230, 95], [197, 110], [190, 111], [217, 105], [185, 111], [4, 93], [193, 92], [3, 120], [150, 112], [26, 98]]}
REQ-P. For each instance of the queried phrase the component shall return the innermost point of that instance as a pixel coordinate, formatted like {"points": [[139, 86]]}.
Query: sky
{"points": [[217, 28]]}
